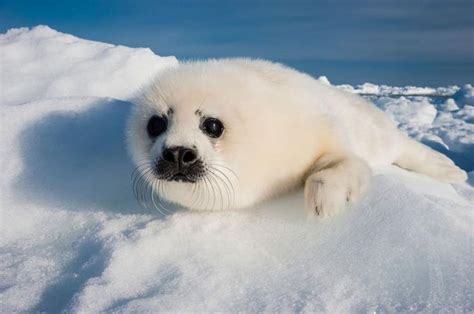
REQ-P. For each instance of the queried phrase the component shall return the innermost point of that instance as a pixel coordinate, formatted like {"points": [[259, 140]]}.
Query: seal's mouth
{"points": [[181, 177]]}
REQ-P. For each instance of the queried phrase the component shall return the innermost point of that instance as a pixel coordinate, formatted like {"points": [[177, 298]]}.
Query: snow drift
{"points": [[72, 238]]}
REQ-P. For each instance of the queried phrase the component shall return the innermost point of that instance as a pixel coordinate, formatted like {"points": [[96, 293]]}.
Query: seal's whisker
{"points": [[136, 185], [193, 192], [146, 189], [205, 198], [229, 185], [219, 188], [213, 191], [206, 195], [147, 183], [161, 191], [139, 190], [211, 163], [217, 180], [202, 193], [207, 187], [194, 195], [140, 184], [156, 205]]}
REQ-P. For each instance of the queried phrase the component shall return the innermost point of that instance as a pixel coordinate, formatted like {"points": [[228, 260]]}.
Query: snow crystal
{"points": [[73, 239]]}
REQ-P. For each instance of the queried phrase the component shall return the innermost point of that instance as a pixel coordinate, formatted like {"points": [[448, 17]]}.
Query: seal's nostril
{"points": [[170, 155], [188, 156]]}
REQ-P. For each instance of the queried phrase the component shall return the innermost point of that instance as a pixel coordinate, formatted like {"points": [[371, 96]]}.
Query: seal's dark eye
{"points": [[157, 125], [212, 127]]}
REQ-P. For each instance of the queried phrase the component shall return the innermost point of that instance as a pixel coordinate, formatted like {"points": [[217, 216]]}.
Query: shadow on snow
{"points": [[80, 159]]}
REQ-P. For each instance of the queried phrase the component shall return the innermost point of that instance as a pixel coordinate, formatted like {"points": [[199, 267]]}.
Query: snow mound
{"points": [[449, 105], [402, 110], [465, 96], [323, 79], [43, 63], [73, 239]]}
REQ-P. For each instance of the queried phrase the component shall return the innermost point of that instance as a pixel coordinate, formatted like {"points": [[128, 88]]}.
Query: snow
{"points": [[384, 90], [72, 238], [408, 111], [465, 96], [324, 80], [49, 64], [437, 123]]}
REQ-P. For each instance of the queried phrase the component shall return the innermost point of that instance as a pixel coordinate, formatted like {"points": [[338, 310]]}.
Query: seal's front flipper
{"points": [[334, 181]]}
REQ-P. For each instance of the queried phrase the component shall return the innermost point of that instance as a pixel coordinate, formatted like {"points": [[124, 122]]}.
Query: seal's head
{"points": [[216, 134]]}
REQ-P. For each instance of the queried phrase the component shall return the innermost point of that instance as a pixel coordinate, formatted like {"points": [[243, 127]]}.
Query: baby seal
{"points": [[229, 133]]}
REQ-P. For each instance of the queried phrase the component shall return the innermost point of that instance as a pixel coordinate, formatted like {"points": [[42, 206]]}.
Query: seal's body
{"points": [[230, 133]]}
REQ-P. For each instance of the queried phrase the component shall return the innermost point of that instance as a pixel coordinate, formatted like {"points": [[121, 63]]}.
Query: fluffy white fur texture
{"points": [[283, 128]]}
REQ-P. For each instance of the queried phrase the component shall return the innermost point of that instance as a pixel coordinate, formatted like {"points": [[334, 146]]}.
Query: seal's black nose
{"points": [[179, 156]]}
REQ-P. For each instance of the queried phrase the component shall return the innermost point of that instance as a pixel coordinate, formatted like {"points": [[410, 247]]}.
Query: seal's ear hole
{"points": [[157, 125], [212, 127]]}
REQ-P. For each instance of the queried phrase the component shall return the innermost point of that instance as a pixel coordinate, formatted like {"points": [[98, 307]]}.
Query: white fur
{"points": [[282, 128]]}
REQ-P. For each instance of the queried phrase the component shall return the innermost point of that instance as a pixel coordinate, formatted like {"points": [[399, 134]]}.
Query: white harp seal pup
{"points": [[230, 133]]}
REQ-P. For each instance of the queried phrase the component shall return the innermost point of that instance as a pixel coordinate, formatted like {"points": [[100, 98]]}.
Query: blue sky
{"points": [[393, 42]]}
